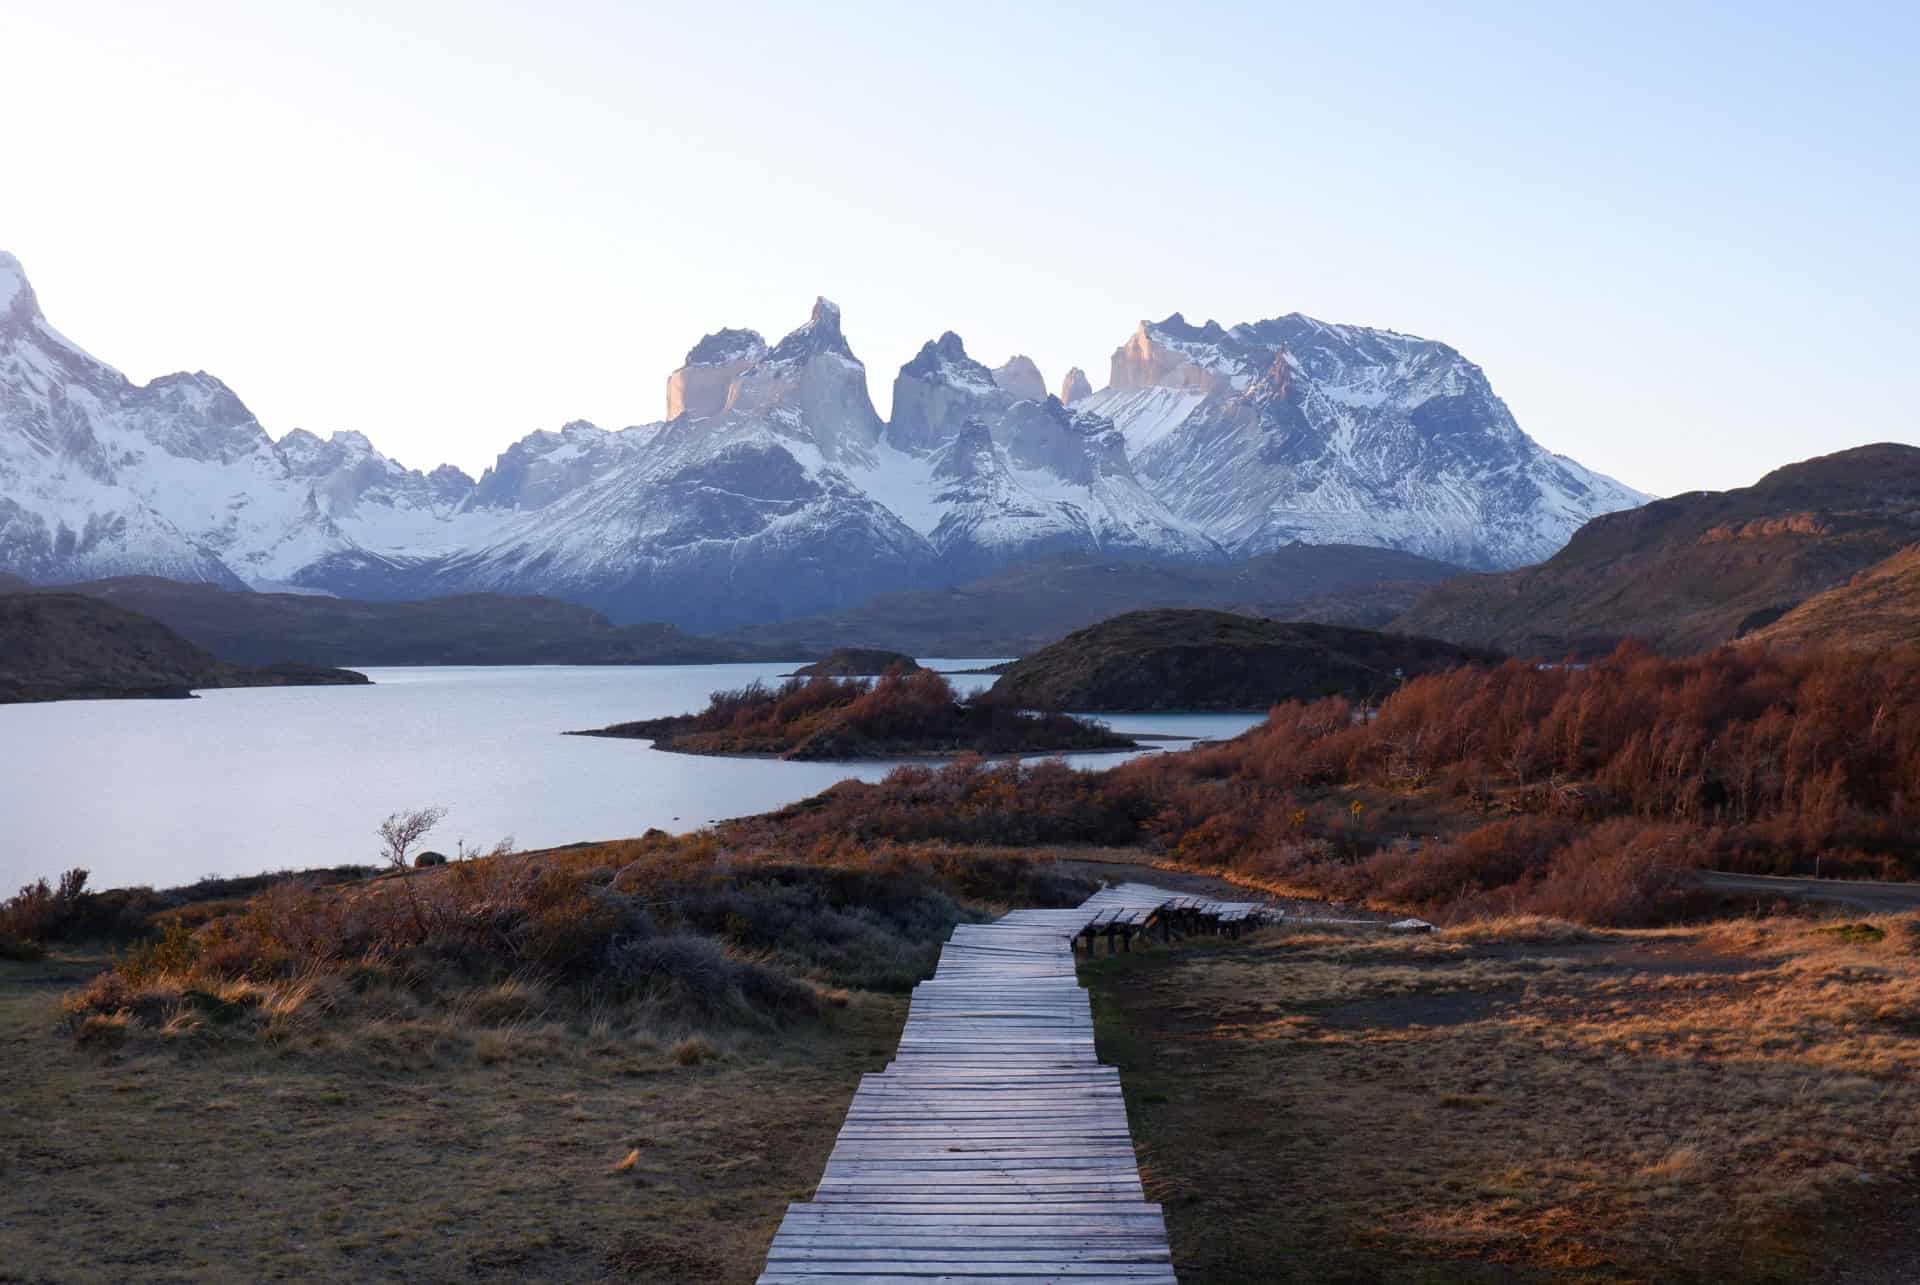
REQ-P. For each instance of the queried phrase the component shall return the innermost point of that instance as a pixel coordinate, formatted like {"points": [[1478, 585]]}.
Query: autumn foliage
{"points": [[898, 715], [1583, 791]]}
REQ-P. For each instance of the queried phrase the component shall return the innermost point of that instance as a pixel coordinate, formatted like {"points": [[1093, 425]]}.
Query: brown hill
{"points": [[468, 629], [858, 662], [1033, 604], [1688, 573], [68, 646], [1876, 609], [1216, 660]]}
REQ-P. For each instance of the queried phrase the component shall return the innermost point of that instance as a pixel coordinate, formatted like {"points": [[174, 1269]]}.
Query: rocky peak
{"points": [[725, 346], [820, 334], [1021, 378], [945, 360], [699, 388], [938, 392], [811, 385], [1075, 386], [17, 301], [1175, 354]]}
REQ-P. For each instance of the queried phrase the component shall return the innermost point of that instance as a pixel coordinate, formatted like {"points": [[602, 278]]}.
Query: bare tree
{"points": [[400, 833]]}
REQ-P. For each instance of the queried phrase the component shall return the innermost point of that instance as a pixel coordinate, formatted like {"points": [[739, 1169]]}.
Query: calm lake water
{"points": [[238, 782]]}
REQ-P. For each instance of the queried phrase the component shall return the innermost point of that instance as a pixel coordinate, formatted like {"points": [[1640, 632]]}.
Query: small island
{"points": [[858, 662], [900, 715]]}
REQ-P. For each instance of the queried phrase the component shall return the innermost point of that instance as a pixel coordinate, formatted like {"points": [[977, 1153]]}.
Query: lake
{"points": [[238, 782]]}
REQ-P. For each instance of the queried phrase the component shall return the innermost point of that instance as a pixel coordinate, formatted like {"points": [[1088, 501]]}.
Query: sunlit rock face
{"points": [[699, 388], [812, 382], [1075, 386], [1173, 354], [1021, 378]]}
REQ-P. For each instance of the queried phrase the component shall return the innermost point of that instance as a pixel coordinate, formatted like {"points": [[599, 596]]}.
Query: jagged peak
{"points": [[1178, 327], [725, 346], [946, 359], [1075, 386], [1021, 377], [820, 334], [15, 290]]}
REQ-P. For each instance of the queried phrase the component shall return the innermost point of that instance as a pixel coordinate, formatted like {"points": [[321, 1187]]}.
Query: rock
{"points": [[1410, 926], [1021, 378], [1075, 386], [699, 388]]}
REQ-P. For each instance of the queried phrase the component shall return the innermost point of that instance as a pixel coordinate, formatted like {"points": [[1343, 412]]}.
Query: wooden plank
{"points": [[994, 1147]]}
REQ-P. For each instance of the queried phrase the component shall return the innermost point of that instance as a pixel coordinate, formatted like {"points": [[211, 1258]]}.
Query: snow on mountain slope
{"points": [[990, 475], [1143, 415], [1293, 430], [773, 488]]}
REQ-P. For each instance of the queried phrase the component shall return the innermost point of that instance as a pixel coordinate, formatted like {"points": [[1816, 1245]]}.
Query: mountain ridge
{"points": [[773, 489], [1696, 570]]}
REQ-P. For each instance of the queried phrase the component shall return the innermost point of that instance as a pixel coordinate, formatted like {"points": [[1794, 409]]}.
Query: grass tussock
{"points": [[659, 938], [1688, 1105]]}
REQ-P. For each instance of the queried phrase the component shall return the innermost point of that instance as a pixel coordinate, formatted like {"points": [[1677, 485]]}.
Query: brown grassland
{"points": [[422, 1147], [1526, 1101], [616, 1061]]}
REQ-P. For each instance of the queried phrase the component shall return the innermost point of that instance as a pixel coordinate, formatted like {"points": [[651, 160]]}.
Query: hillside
{"points": [[1691, 572], [1028, 606], [470, 629], [1216, 660], [63, 646], [902, 715], [1878, 608], [858, 662]]}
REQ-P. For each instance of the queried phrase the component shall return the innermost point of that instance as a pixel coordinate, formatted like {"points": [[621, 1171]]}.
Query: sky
{"points": [[1679, 238]]}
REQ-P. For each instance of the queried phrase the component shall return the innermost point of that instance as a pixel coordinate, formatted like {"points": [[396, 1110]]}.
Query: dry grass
{"points": [[1662, 1106], [475, 1143]]}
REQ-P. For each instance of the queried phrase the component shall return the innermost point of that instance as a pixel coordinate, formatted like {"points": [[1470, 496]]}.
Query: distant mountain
{"points": [[1027, 606], [774, 490], [63, 646], [1293, 430], [1185, 660], [471, 629], [1878, 608], [1696, 570]]}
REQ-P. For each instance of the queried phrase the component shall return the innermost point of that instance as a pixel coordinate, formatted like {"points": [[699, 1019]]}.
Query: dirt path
{"points": [[1862, 894]]}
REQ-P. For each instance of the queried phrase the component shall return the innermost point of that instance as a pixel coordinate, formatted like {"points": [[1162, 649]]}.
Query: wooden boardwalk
{"points": [[994, 1149]]}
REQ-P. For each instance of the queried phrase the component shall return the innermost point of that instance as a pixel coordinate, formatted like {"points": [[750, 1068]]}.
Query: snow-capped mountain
{"points": [[1294, 431], [990, 475], [773, 488]]}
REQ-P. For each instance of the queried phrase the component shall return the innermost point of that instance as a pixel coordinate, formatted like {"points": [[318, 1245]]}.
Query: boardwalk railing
{"points": [[993, 1150]]}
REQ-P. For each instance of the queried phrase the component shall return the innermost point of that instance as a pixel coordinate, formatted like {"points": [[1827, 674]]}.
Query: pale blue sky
{"points": [[1679, 238]]}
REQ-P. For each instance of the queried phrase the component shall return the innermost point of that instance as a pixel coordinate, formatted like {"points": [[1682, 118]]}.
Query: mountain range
{"points": [[773, 488]]}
